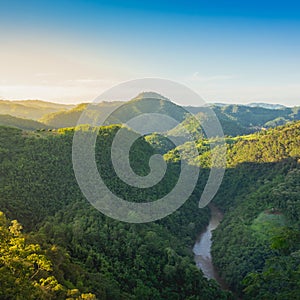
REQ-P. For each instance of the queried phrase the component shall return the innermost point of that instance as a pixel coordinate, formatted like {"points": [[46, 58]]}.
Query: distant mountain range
{"points": [[31, 109], [256, 104], [266, 105], [235, 119], [241, 119]]}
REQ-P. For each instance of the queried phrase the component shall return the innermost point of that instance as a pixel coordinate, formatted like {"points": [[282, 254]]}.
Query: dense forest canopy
{"points": [[55, 245], [114, 260], [25, 124]]}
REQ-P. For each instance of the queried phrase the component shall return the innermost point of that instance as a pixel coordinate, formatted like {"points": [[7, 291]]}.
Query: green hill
{"points": [[235, 119], [68, 248], [143, 103], [25, 124], [95, 254], [256, 248], [30, 109], [241, 119], [265, 146], [70, 118]]}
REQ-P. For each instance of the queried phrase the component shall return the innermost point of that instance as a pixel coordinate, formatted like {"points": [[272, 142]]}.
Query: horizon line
{"points": [[187, 105]]}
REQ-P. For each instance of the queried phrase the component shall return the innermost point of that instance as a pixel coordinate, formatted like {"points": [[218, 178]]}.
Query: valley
{"points": [[55, 245]]}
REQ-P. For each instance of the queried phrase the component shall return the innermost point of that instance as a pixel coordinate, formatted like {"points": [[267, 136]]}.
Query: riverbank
{"points": [[202, 248]]}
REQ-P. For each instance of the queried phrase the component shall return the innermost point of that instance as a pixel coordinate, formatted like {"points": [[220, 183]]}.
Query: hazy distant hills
{"points": [[256, 104], [70, 117], [25, 124], [31, 109], [266, 105], [235, 119], [241, 119]]}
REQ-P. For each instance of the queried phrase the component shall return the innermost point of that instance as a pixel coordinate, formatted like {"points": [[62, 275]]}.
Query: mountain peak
{"points": [[150, 95]]}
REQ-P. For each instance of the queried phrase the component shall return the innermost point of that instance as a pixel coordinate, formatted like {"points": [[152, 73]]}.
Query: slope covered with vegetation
{"points": [[25, 124], [256, 248], [69, 249], [97, 255], [241, 119], [30, 109], [235, 119], [29, 272], [95, 111]]}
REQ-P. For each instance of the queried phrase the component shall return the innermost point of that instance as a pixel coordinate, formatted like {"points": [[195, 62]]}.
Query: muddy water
{"points": [[202, 247]]}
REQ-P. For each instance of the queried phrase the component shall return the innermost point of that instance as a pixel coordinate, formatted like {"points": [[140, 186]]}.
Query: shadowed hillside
{"points": [[235, 119], [25, 124]]}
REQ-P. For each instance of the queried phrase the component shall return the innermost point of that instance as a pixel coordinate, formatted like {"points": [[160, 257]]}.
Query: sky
{"points": [[226, 51]]}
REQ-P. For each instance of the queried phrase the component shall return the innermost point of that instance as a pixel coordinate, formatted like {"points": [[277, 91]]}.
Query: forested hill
{"points": [[67, 249], [272, 145], [266, 146], [70, 250], [235, 119], [257, 246], [143, 103], [241, 119], [25, 124]]}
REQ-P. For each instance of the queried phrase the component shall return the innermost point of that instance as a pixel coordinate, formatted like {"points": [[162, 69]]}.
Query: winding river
{"points": [[202, 247]]}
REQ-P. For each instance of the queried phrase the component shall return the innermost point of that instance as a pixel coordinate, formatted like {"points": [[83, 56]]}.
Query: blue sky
{"points": [[227, 51]]}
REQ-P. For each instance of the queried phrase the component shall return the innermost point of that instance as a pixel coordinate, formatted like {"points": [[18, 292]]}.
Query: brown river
{"points": [[202, 247]]}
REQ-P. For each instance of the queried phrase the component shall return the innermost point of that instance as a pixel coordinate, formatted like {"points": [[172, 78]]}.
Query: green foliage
{"points": [[70, 117], [63, 118], [241, 119], [86, 250], [25, 124], [279, 279], [71, 250], [235, 119], [262, 147], [256, 247], [26, 272], [260, 195], [268, 146], [268, 222]]}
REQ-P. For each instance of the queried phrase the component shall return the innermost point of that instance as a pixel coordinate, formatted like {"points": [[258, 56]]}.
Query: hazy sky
{"points": [[227, 51]]}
